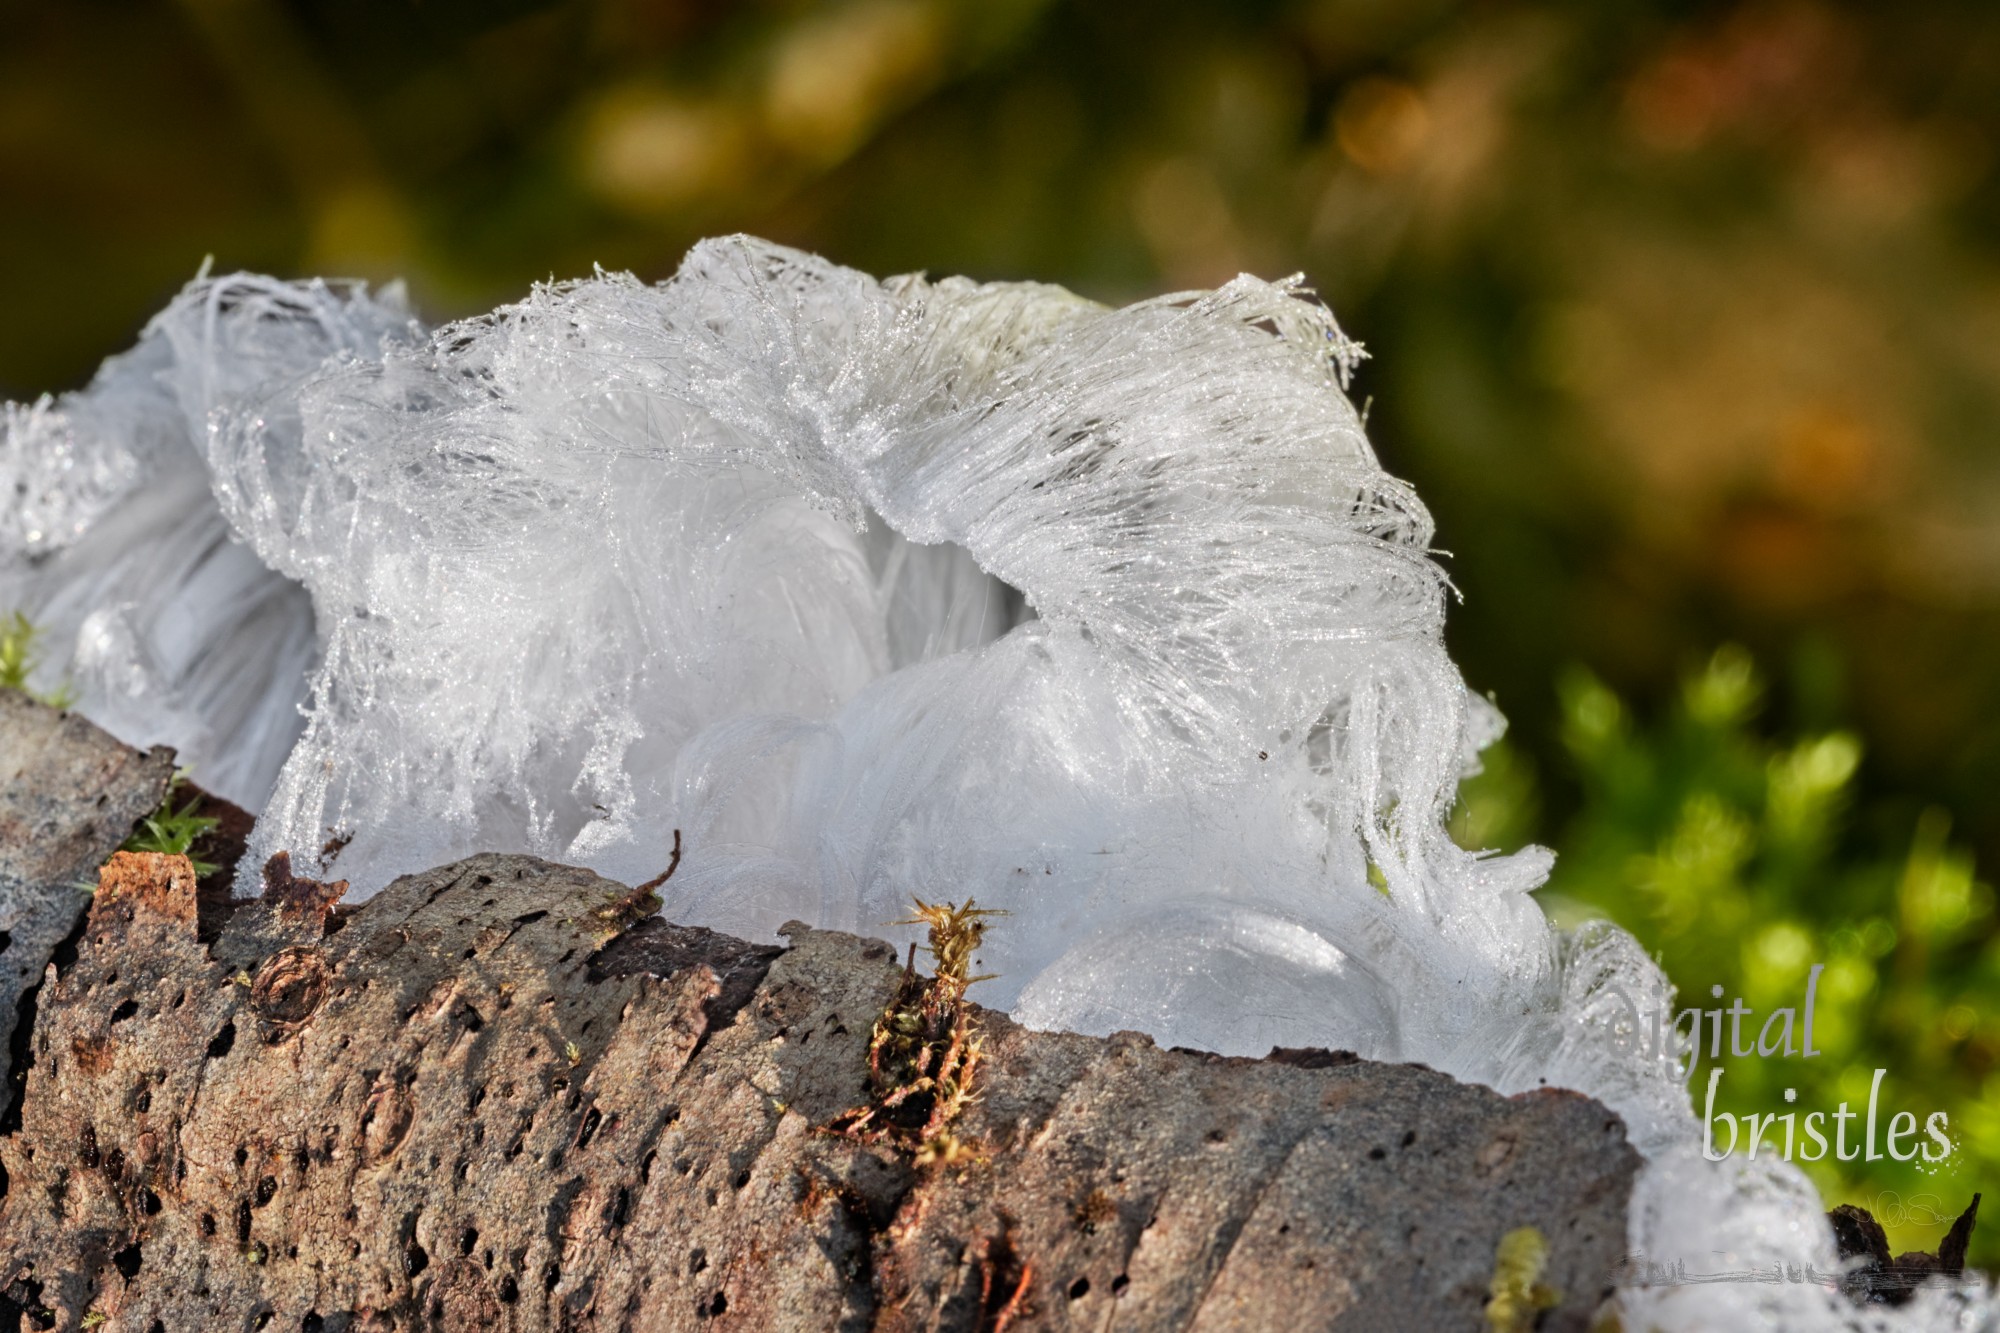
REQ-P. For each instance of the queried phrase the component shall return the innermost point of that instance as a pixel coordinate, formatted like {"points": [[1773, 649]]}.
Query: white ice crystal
{"points": [[1109, 618]]}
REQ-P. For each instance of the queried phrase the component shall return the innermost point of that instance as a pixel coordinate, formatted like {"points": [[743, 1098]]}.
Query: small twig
{"points": [[667, 874]]}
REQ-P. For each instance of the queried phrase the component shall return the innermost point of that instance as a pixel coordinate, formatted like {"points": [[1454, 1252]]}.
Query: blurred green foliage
{"points": [[1741, 859]]}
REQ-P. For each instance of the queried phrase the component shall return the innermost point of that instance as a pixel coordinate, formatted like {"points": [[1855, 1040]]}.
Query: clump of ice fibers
{"points": [[164, 626], [749, 555]]}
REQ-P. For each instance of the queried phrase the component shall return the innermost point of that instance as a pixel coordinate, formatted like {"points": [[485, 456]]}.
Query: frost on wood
{"points": [[726, 555], [456, 1108], [751, 554]]}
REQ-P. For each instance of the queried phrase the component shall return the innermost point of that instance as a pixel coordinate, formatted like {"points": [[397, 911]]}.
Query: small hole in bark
{"points": [[157, 1326], [742, 1179], [719, 1304], [114, 1164], [142, 1100], [415, 1260], [243, 1222], [1285, 1229], [1377, 1154], [127, 1261], [529, 918], [124, 1011], [242, 1156], [208, 1224], [622, 1209], [1119, 1283], [312, 1323], [264, 1319], [149, 1203], [509, 1293], [267, 1189], [1079, 1289], [1409, 1138], [6, 940], [223, 1040], [591, 1121], [552, 1278], [646, 1167], [697, 1260]]}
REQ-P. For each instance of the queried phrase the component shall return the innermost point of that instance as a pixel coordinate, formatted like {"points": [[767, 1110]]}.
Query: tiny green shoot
{"points": [[173, 831], [20, 656]]}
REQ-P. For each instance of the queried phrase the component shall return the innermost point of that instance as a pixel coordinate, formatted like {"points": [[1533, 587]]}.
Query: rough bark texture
{"points": [[69, 794], [486, 1099]]}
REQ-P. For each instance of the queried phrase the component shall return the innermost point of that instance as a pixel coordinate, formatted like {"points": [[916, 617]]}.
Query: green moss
{"points": [[19, 658], [173, 831], [1518, 1293]]}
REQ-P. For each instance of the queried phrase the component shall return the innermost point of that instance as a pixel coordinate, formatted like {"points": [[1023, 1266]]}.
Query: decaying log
{"points": [[69, 794], [492, 1097]]}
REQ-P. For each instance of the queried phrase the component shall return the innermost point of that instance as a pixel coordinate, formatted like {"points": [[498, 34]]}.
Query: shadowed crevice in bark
{"points": [[659, 948]]}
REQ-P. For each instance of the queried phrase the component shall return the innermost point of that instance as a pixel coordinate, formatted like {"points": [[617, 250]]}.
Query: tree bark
{"points": [[69, 794], [492, 1097]]}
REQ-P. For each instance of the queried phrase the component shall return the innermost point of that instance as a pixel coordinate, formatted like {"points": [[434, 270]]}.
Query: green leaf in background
{"points": [[1742, 859]]}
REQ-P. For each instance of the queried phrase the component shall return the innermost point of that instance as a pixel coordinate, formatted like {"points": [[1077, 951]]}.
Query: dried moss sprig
{"points": [[926, 1051], [1518, 1295]]}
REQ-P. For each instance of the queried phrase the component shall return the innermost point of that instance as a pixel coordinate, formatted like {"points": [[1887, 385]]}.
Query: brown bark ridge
{"points": [[69, 794], [486, 1098]]}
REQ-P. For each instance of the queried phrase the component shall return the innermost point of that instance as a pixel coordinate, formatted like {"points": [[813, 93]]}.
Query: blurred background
{"points": [[1685, 321]]}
